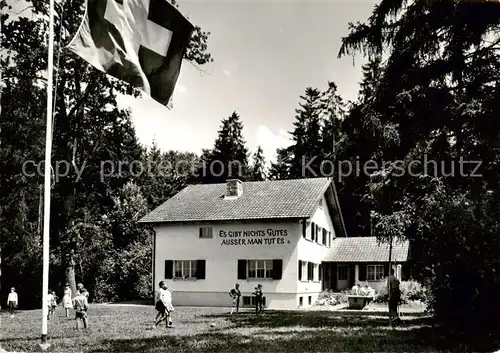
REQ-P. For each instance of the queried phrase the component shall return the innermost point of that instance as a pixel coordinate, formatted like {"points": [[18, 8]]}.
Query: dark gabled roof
{"points": [[366, 249], [270, 199]]}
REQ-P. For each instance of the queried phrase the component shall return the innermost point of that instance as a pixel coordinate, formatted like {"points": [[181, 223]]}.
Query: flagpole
{"points": [[48, 152]]}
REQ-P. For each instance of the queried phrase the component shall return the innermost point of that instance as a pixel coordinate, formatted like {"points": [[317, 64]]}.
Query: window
{"points": [[185, 269], [311, 231], [301, 301], [302, 270], [315, 272], [206, 233], [310, 300], [342, 273], [182, 269], [310, 269], [251, 301], [319, 231], [269, 269], [374, 272], [260, 269]]}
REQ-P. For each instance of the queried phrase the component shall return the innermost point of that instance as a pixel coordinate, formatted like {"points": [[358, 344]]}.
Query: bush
{"points": [[330, 298], [410, 291]]}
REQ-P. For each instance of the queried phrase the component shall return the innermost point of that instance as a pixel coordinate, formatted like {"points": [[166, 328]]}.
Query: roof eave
{"points": [[249, 220], [336, 206]]}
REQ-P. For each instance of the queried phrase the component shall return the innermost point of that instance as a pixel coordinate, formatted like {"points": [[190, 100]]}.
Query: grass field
{"points": [[116, 328]]}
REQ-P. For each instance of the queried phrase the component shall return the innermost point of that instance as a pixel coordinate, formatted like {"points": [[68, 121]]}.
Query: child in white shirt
{"points": [[164, 305], [12, 301]]}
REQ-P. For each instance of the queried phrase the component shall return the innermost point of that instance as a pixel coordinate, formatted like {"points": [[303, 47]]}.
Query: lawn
{"points": [[116, 328]]}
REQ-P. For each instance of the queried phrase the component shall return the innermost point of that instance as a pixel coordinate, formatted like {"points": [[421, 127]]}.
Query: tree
{"points": [[258, 168], [165, 174], [434, 98], [280, 170], [306, 135], [229, 157], [91, 135]]}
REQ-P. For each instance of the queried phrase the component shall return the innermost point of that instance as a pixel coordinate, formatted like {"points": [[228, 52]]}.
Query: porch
{"points": [[341, 276], [363, 260]]}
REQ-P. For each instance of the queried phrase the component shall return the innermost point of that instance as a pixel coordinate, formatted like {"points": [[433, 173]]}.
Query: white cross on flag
{"points": [[141, 42]]}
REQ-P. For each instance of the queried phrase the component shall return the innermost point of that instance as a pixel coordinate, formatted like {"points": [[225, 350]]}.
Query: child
{"points": [[67, 303], [258, 298], [12, 301], [159, 306], [81, 306], [166, 299], [235, 294], [54, 303], [49, 304]]}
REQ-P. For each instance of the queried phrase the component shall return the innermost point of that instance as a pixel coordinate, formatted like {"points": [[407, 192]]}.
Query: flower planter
{"points": [[359, 301]]}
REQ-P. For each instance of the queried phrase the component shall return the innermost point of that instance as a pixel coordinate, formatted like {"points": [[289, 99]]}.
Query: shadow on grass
{"points": [[305, 332]]}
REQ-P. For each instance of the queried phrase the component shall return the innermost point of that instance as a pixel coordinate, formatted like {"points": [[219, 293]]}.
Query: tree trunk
{"points": [[70, 273]]}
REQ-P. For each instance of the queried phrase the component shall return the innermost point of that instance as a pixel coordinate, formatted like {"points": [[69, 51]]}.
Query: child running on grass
{"points": [[159, 306], [164, 306]]}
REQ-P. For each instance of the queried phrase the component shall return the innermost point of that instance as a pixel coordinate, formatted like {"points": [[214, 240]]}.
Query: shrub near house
{"points": [[410, 291]]}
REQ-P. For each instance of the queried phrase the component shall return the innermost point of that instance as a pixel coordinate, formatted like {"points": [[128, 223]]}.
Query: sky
{"points": [[265, 55]]}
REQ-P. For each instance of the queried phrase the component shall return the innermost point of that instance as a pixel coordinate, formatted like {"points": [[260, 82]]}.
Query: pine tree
{"points": [[229, 157], [258, 168], [306, 150], [280, 169], [332, 112]]}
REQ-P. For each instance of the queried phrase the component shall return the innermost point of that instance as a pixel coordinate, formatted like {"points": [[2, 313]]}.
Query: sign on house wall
{"points": [[254, 237]]}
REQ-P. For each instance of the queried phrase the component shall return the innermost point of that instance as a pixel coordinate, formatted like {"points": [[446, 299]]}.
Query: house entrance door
{"points": [[342, 277]]}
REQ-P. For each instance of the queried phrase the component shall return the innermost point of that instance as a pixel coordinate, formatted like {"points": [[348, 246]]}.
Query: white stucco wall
{"points": [[312, 252], [182, 242]]}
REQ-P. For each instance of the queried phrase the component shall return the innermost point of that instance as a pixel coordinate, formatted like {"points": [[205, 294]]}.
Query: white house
{"points": [[282, 234]]}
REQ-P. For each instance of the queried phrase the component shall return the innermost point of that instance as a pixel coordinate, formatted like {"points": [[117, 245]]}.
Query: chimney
{"points": [[234, 188]]}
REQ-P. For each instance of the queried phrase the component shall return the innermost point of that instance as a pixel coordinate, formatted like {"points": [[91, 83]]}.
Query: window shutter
{"points": [[312, 230], [242, 269], [169, 269], [200, 269], [277, 268], [309, 271], [300, 270], [320, 272], [362, 272], [304, 228]]}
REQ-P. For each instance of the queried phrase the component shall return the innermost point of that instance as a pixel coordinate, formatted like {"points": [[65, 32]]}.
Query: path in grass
{"points": [[129, 329]]}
